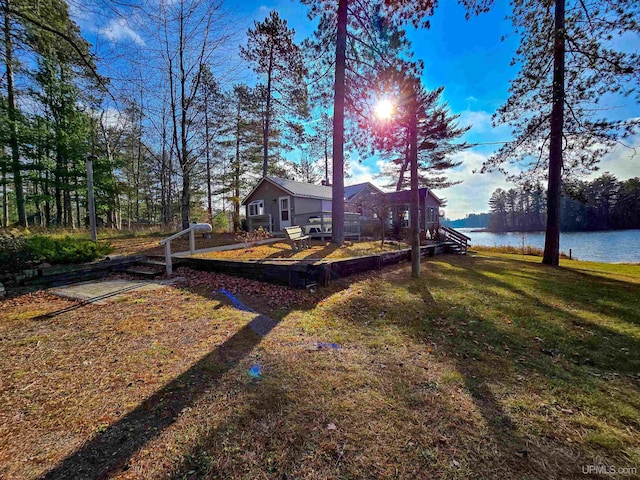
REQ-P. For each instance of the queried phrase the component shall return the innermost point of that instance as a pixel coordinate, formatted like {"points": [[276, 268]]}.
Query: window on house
{"points": [[256, 208]]}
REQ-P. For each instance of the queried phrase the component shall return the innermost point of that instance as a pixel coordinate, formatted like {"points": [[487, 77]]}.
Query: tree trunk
{"points": [[403, 167], [47, 203], [552, 234], [13, 130], [207, 155], [5, 199], [185, 201], [236, 175], [267, 119], [415, 198], [337, 195], [326, 160]]}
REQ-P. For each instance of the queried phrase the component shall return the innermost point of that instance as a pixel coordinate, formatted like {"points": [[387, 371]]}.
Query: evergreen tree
{"points": [[567, 66], [274, 55], [361, 25]]}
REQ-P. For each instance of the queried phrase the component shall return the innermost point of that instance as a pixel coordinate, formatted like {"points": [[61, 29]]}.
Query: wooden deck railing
{"points": [[195, 227], [457, 237]]}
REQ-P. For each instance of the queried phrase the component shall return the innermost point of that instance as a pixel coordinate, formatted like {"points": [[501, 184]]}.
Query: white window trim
{"points": [[259, 204]]}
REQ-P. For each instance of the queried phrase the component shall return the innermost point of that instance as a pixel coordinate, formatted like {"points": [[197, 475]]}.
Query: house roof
{"points": [[352, 191], [301, 189], [322, 192], [404, 196], [295, 189]]}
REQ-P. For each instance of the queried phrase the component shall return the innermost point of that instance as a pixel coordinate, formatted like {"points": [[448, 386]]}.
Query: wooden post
{"points": [[192, 241], [167, 258], [91, 200]]}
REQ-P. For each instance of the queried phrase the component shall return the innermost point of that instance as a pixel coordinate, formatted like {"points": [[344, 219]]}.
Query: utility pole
{"points": [[91, 200]]}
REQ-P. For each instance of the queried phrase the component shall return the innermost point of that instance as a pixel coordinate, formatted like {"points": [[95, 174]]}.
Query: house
{"points": [[430, 208], [276, 203], [355, 198]]}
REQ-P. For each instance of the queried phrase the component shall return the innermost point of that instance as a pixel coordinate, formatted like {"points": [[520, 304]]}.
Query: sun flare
{"points": [[384, 109]]}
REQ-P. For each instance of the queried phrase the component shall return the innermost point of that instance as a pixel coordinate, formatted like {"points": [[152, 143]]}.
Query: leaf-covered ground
{"points": [[318, 250], [491, 366], [149, 245]]}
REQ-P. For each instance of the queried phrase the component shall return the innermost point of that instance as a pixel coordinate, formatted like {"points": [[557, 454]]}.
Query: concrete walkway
{"points": [[105, 291]]}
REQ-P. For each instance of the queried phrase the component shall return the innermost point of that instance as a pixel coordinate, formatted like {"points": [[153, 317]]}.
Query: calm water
{"points": [[611, 247]]}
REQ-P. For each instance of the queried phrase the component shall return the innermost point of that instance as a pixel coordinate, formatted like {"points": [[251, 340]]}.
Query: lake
{"points": [[611, 246]]}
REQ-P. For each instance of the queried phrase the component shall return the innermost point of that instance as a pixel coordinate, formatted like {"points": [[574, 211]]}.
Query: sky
{"points": [[467, 57]]}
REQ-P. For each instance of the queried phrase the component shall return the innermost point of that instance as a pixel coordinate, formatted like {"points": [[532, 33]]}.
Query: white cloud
{"points": [[623, 162], [118, 30], [359, 173], [472, 195], [112, 118], [480, 121]]}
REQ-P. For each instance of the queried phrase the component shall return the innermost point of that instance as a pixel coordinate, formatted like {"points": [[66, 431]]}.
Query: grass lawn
{"points": [[318, 250], [488, 366]]}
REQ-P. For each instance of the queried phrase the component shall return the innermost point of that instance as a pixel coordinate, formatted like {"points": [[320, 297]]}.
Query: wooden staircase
{"points": [[456, 242], [150, 267]]}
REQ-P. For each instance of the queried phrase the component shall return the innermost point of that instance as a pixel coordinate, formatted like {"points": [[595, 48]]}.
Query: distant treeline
{"points": [[601, 204], [473, 220]]}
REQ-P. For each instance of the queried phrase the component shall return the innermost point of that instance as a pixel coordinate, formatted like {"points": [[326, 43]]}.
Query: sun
{"points": [[384, 109]]}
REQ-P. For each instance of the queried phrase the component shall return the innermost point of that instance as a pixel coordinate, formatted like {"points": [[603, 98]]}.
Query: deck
{"points": [[308, 272]]}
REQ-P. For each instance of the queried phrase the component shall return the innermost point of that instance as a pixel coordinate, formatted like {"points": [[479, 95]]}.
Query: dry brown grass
{"points": [[149, 245], [318, 250], [486, 367]]}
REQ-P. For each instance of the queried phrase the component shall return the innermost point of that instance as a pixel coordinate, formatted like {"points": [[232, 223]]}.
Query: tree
{"points": [[567, 67], [380, 206], [242, 141], [370, 22], [12, 116], [627, 209], [36, 28], [437, 128], [320, 142], [189, 43], [211, 103], [273, 53]]}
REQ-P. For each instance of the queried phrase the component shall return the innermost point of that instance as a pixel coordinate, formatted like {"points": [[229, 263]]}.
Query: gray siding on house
{"points": [[308, 205], [269, 193], [301, 208], [431, 217]]}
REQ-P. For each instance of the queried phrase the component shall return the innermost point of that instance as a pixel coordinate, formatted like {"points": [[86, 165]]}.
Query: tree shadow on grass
{"points": [[111, 449], [490, 355], [609, 345]]}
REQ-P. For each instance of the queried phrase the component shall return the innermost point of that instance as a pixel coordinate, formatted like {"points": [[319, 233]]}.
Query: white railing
{"points": [[195, 227]]}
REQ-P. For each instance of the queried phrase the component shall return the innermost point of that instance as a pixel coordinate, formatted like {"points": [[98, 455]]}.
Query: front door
{"points": [[285, 212]]}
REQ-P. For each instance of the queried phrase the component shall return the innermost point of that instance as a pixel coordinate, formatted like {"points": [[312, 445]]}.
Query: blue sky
{"points": [[467, 57]]}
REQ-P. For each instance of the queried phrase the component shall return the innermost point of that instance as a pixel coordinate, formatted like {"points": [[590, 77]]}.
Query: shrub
{"points": [[21, 252], [65, 250], [13, 254], [220, 222]]}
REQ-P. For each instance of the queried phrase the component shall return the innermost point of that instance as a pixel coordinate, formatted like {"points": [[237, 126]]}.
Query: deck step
{"points": [[144, 272], [154, 262]]}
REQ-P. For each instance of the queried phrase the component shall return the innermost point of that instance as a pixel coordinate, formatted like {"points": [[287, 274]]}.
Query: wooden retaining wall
{"points": [[303, 274], [66, 274]]}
